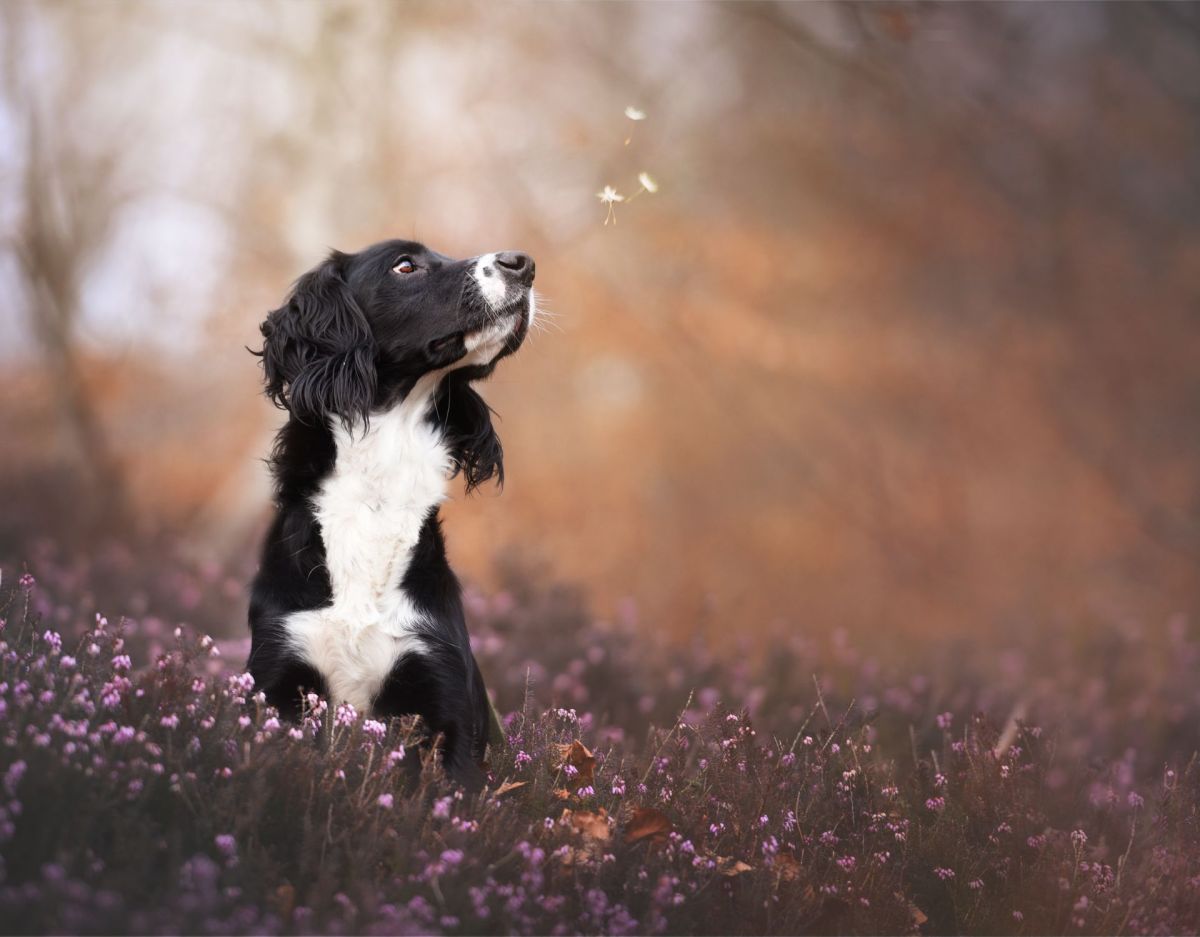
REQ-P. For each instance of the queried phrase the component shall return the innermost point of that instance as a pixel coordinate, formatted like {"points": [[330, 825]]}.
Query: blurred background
{"points": [[906, 342]]}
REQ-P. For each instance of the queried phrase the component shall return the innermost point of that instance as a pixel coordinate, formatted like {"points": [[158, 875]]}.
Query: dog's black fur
{"points": [[354, 337]]}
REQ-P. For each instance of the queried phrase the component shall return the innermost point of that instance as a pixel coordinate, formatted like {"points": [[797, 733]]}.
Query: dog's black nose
{"points": [[517, 265]]}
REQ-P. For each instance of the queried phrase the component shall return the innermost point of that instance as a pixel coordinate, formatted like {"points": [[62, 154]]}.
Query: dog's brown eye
{"points": [[404, 266]]}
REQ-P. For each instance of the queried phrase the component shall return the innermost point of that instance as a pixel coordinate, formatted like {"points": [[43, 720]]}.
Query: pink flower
{"points": [[385, 801], [374, 728], [346, 715]]}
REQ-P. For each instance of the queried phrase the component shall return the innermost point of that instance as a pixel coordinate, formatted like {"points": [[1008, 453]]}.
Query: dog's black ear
{"points": [[467, 420], [318, 353]]}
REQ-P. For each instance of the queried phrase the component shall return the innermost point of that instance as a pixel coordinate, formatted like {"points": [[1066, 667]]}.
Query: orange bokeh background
{"points": [[905, 343]]}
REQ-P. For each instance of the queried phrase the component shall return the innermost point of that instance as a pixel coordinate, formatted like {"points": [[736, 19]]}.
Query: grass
{"points": [[1048, 786]]}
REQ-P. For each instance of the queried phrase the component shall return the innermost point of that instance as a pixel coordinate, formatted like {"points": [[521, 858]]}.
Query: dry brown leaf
{"points": [[727, 865], [581, 759], [592, 824], [285, 900], [786, 867], [647, 823], [562, 794], [919, 917], [508, 786], [574, 855]]}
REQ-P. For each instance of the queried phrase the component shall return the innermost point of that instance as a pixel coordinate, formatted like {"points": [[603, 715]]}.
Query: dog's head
{"points": [[359, 331]]}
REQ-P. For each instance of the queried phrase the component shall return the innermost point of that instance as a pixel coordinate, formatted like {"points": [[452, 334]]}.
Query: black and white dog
{"points": [[373, 356]]}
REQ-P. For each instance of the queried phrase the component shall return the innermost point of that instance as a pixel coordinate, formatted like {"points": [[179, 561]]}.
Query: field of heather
{"points": [[1047, 786]]}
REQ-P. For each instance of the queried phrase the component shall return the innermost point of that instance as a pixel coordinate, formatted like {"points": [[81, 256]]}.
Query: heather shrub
{"points": [[643, 787]]}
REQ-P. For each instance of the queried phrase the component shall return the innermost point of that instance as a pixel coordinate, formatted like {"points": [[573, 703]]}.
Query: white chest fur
{"points": [[371, 509]]}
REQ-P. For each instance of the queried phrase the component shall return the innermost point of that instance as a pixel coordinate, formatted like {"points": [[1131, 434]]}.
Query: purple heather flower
{"points": [[12, 777], [943, 874], [385, 801], [226, 845], [27, 581], [346, 715], [374, 728], [936, 804]]}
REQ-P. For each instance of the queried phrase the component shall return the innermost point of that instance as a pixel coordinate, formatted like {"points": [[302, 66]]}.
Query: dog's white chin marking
{"points": [[371, 509], [485, 344], [492, 285]]}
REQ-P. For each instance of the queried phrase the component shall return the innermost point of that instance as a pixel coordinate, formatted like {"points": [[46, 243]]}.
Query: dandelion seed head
{"points": [[608, 195]]}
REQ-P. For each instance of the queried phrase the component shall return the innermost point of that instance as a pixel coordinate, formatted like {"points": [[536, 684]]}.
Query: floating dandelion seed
{"points": [[610, 196], [635, 114], [647, 182]]}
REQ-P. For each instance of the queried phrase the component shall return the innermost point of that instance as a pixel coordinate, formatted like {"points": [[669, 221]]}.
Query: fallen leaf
{"points": [[727, 865], [919, 917], [285, 900], [647, 823], [572, 855], [578, 757], [786, 867], [592, 824], [508, 786], [563, 794]]}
